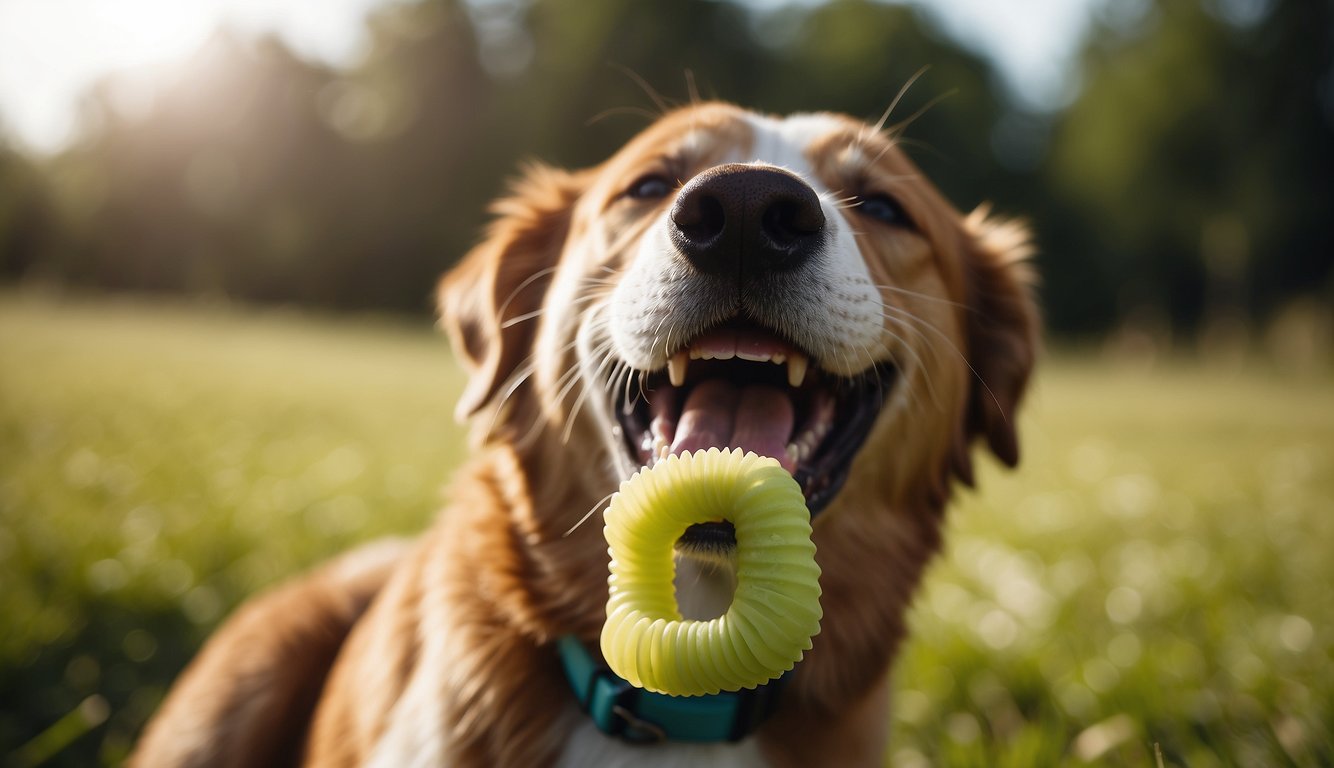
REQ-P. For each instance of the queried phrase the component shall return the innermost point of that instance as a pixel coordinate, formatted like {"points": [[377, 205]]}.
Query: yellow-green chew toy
{"points": [[776, 608]]}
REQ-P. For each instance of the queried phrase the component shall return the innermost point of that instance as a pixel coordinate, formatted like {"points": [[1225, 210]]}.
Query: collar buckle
{"points": [[638, 730], [614, 703]]}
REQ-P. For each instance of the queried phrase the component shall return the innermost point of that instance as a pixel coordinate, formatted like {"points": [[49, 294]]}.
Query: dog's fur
{"points": [[440, 651]]}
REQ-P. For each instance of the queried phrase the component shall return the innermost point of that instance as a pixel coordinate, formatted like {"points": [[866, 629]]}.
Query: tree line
{"points": [[1190, 177]]}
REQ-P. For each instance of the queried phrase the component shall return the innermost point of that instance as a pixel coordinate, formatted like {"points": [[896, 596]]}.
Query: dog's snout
{"points": [[746, 220]]}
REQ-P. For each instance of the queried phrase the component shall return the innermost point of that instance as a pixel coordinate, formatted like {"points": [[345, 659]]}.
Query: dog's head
{"points": [[791, 286]]}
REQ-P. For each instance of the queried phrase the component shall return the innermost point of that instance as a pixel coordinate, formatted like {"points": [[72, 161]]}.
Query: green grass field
{"points": [[1159, 572]]}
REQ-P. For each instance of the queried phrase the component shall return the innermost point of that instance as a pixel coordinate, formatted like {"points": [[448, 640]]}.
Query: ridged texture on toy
{"points": [[776, 608]]}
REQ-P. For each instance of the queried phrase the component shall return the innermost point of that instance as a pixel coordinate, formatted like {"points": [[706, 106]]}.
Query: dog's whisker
{"points": [[903, 91], [888, 144], [924, 296], [513, 321], [962, 357], [612, 384], [610, 112], [517, 319], [882, 387], [918, 364], [915, 356], [526, 369], [538, 275], [588, 514], [661, 102], [600, 350], [565, 382], [574, 414], [513, 382], [641, 375], [522, 373], [692, 89], [898, 128], [627, 402]]}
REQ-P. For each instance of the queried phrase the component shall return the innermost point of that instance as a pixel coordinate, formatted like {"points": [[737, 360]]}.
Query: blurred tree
{"points": [[25, 215], [1199, 160], [411, 115], [258, 175], [207, 191]]}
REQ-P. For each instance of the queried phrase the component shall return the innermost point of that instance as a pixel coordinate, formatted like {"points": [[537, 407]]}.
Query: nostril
{"points": [[788, 221], [700, 218]]}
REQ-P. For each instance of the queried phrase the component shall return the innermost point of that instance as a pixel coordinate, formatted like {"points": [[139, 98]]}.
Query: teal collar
{"points": [[620, 709]]}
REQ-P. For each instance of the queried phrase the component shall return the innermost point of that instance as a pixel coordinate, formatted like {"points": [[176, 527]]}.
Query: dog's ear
{"points": [[1002, 335], [486, 302]]}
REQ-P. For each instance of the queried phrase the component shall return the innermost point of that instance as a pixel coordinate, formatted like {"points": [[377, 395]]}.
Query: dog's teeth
{"points": [[796, 369], [752, 357], [793, 454], [676, 369]]}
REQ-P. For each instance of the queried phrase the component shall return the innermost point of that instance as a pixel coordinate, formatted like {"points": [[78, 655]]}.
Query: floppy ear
{"points": [[483, 301], [1002, 335]]}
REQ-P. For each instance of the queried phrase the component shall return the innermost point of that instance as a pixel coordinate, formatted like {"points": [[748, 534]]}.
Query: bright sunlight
{"points": [[51, 50]]}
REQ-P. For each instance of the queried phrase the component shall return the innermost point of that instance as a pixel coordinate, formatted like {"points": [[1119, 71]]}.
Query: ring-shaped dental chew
{"points": [[775, 610]]}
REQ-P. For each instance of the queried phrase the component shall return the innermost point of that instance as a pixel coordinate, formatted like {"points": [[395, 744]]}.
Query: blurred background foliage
{"points": [[1157, 573], [1182, 188]]}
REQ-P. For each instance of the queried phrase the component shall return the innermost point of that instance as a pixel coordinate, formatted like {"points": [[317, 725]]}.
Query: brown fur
{"points": [[469, 613]]}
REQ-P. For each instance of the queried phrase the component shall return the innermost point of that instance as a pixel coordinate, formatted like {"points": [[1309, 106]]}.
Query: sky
{"points": [[51, 51]]}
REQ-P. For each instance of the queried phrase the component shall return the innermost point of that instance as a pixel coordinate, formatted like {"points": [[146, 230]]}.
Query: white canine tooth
{"points": [[676, 369], [793, 454], [796, 369]]}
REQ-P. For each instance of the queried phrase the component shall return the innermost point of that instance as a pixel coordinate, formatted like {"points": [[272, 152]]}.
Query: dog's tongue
{"points": [[753, 418]]}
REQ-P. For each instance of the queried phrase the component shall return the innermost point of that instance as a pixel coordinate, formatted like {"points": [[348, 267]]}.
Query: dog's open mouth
{"points": [[742, 386]]}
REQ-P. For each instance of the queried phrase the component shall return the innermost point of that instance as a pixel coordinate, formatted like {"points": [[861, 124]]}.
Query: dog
{"points": [[791, 286]]}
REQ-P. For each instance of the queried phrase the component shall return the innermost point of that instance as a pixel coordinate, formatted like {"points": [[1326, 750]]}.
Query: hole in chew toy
{"points": [[705, 579]]}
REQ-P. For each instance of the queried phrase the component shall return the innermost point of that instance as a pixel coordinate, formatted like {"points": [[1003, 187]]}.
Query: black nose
{"points": [[746, 220]]}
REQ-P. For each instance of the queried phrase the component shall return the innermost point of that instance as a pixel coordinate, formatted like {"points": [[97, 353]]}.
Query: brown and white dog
{"points": [[791, 286]]}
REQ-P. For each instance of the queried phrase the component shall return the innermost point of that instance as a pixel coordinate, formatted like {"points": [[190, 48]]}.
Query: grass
{"points": [[1156, 576]]}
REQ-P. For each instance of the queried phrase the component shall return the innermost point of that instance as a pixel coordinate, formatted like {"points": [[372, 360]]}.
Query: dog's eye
{"points": [[882, 208], [650, 186]]}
